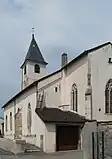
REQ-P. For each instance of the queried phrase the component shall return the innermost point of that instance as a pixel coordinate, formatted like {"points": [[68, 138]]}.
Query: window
{"points": [[10, 120], [25, 70], [6, 123], [37, 68], [56, 89], [29, 118], [18, 110], [74, 97], [108, 97]]}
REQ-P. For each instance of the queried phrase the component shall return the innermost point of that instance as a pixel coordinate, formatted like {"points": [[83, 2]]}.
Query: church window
{"points": [[108, 97], [6, 123], [10, 120], [29, 118], [37, 68], [74, 98], [25, 70]]}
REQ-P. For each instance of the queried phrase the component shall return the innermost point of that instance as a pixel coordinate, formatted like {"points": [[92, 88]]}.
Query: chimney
{"points": [[64, 59]]}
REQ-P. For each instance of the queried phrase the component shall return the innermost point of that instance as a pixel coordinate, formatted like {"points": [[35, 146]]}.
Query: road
{"points": [[33, 155], [41, 155]]}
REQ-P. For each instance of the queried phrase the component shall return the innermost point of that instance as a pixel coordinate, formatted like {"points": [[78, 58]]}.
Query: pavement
{"points": [[41, 155], [29, 155]]}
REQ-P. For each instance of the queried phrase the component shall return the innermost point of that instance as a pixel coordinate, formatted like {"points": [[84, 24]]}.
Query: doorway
{"points": [[67, 138]]}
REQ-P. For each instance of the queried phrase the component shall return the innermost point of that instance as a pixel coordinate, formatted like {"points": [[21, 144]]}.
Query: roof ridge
{"points": [[98, 46], [85, 52]]}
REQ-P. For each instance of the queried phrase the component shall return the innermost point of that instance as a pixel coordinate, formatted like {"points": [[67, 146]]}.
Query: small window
{"points": [[56, 89], [18, 110], [25, 70], [6, 123], [37, 69], [10, 120]]}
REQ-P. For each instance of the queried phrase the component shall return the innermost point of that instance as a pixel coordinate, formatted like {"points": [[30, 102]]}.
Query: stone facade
{"points": [[106, 127]]}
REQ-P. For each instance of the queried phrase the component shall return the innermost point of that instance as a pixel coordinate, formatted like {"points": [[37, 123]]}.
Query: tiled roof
{"points": [[55, 115]]}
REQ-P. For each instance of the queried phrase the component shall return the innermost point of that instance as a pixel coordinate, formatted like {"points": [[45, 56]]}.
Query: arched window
{"points": [[29, 118], [10, 120], [74, 98], [6, 123], [37, 68], [108, 97]]}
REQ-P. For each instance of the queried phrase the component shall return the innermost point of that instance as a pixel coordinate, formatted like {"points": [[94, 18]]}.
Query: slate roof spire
{"points": [[34, 53]]}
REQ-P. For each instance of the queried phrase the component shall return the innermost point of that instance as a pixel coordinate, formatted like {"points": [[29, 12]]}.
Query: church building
{"points": [[52, 110]]}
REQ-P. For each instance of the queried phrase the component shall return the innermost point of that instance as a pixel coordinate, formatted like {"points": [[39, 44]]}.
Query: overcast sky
{"points": [[69, 26]]}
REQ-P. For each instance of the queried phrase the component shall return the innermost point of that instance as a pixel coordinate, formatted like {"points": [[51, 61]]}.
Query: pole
{"points": [[97, 146], [102, 145], [93, 155]]}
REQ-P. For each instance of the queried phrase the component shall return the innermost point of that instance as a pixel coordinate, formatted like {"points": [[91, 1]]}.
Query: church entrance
{"points": [[67, 137], [18, 124]]}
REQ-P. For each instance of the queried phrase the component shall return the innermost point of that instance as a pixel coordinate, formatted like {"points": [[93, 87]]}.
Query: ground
{"points": [[41, 155]]}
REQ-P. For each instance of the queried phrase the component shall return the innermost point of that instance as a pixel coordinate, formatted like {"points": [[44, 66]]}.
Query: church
{"points": [[52, 110]]}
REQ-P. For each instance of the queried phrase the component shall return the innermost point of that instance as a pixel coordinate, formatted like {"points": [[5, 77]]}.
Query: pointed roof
{"points": [[34, 53]]}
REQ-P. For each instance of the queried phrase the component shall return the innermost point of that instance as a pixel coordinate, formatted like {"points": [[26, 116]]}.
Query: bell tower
{"points": [[34, 65]]}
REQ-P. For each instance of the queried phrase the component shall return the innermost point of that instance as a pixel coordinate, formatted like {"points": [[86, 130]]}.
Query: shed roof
{"points": [[55, 115]]}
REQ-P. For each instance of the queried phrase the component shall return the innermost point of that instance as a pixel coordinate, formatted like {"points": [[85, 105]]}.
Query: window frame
{"points": [[6, 124], [10, 120], [108, 97], [25, 70], [36, 68], [74, 98]]}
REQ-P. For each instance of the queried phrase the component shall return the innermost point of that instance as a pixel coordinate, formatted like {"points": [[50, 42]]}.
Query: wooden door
{"points": [[67, 137]]}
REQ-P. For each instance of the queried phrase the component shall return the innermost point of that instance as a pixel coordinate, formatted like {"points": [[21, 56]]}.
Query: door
{"points": [[67, 137]]}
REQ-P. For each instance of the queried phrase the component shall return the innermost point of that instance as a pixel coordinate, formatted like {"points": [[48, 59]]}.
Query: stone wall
{"points": [[106, 127], [11, 146]]}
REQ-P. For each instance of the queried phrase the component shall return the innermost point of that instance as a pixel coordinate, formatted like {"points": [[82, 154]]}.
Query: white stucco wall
{"points": [[9, 133], [52, 98], [22, 103], [30, 75], [101, 72], [50, 138], [40, 129], [86, 134], [75, 73]]}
